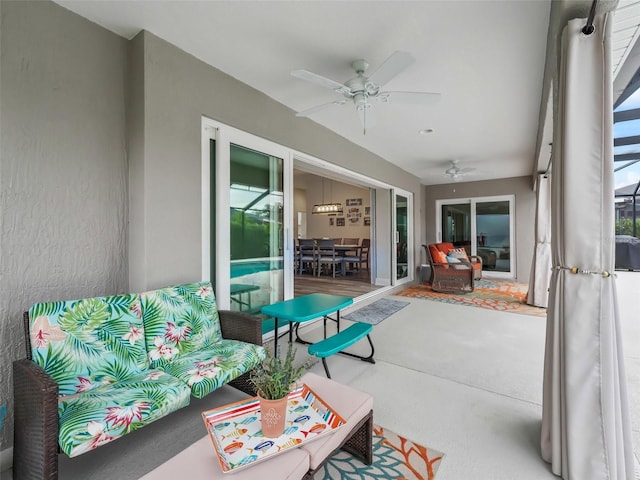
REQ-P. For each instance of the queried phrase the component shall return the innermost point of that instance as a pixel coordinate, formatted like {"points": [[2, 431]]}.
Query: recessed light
{"points": [[424, 131]]}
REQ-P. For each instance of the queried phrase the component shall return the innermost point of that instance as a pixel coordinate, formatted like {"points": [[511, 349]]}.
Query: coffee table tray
{"points": [[236, 433]]}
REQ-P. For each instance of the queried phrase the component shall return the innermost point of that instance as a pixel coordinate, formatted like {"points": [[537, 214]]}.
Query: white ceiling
{"points": [[486, 58]]}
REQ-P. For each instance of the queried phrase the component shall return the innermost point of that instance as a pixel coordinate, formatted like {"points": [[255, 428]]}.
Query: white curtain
{"points": [[540, 277], [586, 430]]}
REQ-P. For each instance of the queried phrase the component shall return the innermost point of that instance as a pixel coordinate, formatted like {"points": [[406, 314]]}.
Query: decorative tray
{"points": [[236, 433]]}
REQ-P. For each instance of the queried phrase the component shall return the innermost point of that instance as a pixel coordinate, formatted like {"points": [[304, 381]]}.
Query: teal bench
{"points": [[341, 340]]}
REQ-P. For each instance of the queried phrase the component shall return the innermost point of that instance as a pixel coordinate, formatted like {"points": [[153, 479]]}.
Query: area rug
{"points": [[376, 312], [492, 294], [394, 458]]}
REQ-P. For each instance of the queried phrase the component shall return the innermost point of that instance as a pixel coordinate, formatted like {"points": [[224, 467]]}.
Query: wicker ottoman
{"points": [[356, 407]]}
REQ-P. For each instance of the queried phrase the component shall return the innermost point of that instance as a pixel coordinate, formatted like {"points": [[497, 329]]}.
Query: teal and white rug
{"points": [[394, 458]]}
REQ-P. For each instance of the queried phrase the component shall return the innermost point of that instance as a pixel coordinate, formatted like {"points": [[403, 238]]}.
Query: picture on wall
{"points": [[353, 201], [354, 215], [367, 210], [331, 221], [367, 221], [340, 222]]}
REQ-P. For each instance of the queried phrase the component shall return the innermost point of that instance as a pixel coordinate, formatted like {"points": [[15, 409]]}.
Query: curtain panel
{"points": [[586, 431], [538, 294]]}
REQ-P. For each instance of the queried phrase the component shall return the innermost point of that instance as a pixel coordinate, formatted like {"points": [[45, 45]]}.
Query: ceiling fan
{"points": [[362, 89], [455, 172]]}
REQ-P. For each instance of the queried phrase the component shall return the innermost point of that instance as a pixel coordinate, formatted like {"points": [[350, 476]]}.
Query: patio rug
{"points": [[394, 458], [492, 294], [376, 312]]}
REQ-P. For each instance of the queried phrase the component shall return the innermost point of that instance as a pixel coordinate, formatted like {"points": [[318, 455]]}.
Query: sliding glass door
{"points": [[250, 244], [483, 227], [403, 213], [493, 234], [256, 229]]}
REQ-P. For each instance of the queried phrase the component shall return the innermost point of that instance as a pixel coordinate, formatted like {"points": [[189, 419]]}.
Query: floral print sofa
{"points": [[99, 368]]}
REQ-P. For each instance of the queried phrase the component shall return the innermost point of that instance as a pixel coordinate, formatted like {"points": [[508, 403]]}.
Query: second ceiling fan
{"points": [[362, 89]]}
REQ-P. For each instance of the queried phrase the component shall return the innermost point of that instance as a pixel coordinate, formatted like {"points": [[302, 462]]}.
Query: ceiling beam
{"points": [[626, 157], [622, 141], [626, 115]]}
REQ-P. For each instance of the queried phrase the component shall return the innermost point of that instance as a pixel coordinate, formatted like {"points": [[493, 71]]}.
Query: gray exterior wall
{"points": [[525, 206], [63, 201], [100, 162], [178, 90]]}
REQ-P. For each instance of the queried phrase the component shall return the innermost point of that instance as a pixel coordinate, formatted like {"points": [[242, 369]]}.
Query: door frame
{"points": [[395, 192], [224, 136]]}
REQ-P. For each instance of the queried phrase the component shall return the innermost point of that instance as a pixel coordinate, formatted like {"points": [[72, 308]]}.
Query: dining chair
{"points": [[360, 259], [364, 252], [327, 256], [306, 255]]}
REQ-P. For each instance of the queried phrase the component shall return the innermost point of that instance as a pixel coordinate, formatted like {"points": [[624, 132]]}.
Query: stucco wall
{"points": [[178, 90], [63, 205], [525, 209]]}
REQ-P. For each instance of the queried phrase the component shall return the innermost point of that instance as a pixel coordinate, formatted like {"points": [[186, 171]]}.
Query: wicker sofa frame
{"points": [[450, 278], [35, 444]]}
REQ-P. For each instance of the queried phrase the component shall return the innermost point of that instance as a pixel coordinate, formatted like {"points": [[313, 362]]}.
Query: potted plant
{"points": [[273, 380]]}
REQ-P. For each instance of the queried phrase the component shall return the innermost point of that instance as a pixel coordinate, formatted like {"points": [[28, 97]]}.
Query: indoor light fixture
{"points": [[330, 208]]}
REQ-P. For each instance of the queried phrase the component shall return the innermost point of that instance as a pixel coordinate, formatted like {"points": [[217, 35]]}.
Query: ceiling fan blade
{"points": [[421, 98], [392, 66], [465, 171], [318, 108], [367, 117], [320, 80]]}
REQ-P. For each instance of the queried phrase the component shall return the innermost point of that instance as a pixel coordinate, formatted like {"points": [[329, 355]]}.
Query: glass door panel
{"points": [[482, 226], [402, 237], [456, 224], [256, 201], [493, 235]]}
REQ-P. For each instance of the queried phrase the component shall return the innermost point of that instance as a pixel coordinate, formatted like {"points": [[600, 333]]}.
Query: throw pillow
{"points": [[451, 259], [458, 253], [440, 257]]}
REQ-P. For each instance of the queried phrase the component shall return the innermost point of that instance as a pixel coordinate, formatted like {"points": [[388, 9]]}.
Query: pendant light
{"points": [[330, 208]]}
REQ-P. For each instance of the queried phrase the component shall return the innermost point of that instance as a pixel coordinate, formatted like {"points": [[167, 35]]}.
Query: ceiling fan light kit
{"points": [[362, 89]]}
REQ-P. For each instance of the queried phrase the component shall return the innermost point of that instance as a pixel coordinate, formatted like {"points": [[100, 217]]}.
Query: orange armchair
{"points": [[449, 277]]}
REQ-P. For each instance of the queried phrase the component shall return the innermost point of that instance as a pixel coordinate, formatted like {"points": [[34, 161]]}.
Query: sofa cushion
{"points": [[208, 369], [179, 320], [91, 419], [86, 343]]}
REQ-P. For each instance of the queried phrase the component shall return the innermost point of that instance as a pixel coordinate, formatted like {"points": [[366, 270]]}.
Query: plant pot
{"points": [[273, 414]]}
